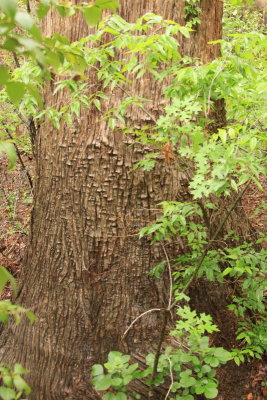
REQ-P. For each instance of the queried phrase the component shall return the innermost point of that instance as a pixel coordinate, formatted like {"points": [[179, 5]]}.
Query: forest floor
{"points": [[15, 210]]}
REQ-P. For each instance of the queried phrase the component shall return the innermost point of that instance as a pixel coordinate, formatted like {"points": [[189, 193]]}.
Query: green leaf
{"points": [[3, 75], [227, 271], [102, 382], [65, 11], [36, 33], [53, 58], [234, 185], [132, 368], [97, 369], [7, 393], [212, 361], [243, 179], [78, 62], [15, 91], [107, 4], [4, 318], [109, 396], [33, 90], [9, 149], [120, 396], [113, 355], [42, 9], [21, 385], [9, 7], [205, 369], [31, 316], [24, 19], [5, 277], [237, 361], [7, 380], [211, 392], [29, 44], [18, 369], [222, 354], [127, 379], [11, 44], [199, 389], [253, 143], [184, 31], [6, 27], [187, 381], [116, 382], [97, 104], [91, 15]]}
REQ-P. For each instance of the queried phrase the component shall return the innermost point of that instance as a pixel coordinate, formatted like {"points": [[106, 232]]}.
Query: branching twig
{"points": [[140, 105], [15, 243], [30, 125], [16, 60], [137, 318], [172, 380], [19, 156], [214, 236]]}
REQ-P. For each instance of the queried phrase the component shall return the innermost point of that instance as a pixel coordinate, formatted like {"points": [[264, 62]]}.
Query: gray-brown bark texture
{"points": [[85, 271]]}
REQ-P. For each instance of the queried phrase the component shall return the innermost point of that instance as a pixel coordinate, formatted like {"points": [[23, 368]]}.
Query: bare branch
{"points": [[137, 318], [172, 381], [19, 156]]}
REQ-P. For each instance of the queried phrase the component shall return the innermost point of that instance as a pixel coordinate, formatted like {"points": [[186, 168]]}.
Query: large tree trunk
{"points": [[85, 271]]}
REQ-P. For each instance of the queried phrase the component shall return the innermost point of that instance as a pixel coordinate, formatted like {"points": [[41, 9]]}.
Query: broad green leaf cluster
{"points": [[193, 366], [13, 386]]}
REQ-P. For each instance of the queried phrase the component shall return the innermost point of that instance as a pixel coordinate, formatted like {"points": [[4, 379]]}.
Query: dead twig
{"points": [[19, 156], [172, 380], [137, 318]]}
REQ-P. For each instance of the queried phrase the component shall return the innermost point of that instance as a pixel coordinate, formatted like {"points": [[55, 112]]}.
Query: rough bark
{"points": [[85, 271]]}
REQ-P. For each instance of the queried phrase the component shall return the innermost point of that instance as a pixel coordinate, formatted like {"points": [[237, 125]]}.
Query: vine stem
{"points": [[172, 380], [137, 318]]}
